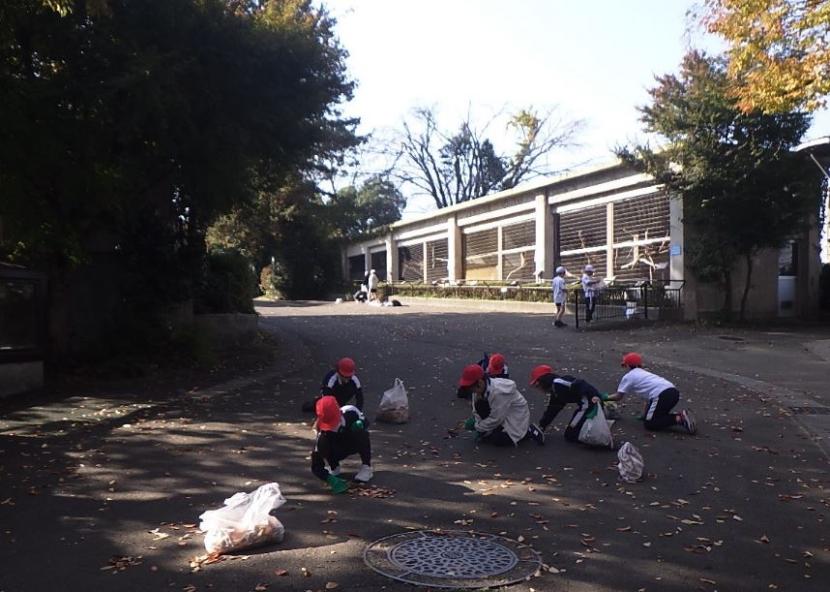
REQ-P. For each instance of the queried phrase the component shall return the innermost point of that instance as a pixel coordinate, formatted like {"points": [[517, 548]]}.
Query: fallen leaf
{"points": [[332, 585], [261, 587], [280, 572]]}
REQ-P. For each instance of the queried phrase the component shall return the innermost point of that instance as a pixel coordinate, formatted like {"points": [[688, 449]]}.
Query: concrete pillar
{"points": [[677, 247], [391, 258], [455, 265], [424, 258], [677, 260], [557, 257], [499, 247], [367, 259], [609, 239], [344, 263], [544, 238]]}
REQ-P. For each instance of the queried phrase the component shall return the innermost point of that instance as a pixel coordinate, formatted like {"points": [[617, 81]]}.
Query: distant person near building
{"points": [[560, 296], [589, 289]]}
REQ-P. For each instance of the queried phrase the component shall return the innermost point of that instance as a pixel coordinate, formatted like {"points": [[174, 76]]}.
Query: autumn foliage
{"points": [[779, 51]]}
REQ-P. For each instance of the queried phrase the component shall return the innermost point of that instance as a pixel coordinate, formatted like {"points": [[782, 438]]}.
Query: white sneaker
{"points": [[336, 471], [364, 475]]}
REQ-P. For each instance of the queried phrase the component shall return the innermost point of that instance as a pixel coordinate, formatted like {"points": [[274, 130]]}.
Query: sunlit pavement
{"points": [[103, 492]]}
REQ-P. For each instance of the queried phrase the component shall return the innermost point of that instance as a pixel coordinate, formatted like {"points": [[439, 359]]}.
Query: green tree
{"points": [[360, 211], [128, 127], [743, 188]]}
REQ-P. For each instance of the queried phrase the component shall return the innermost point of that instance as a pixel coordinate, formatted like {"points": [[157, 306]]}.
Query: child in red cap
{"points": [[341, 432], [494, 365], [660, 394], [342, 382], [562, 390], [501, 416]]}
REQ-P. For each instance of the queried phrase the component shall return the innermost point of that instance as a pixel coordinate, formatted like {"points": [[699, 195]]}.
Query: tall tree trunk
{"points": [[726, 313], [747, 286]]}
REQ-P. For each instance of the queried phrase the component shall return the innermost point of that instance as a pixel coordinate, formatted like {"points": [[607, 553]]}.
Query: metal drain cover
{"points": [[452, 559]]}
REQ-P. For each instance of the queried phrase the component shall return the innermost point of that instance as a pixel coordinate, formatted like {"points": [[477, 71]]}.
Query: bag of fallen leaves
{"points": [[595, 430], [631, 463], [394, 405], [244, 521]]}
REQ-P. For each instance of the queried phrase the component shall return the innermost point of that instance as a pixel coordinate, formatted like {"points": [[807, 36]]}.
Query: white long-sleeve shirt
{"points": [[508, 408]]}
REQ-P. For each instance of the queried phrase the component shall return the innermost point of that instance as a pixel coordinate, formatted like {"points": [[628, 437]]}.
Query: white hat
{"points": [[560, 269], [589, 267]]}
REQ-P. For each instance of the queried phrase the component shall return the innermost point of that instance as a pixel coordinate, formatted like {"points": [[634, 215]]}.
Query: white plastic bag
{"points": [[394, 405], [595, 431], [631, 463], [244, 521]]}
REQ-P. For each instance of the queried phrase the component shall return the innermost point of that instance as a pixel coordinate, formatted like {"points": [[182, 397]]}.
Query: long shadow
{"points": [[84, 491]]}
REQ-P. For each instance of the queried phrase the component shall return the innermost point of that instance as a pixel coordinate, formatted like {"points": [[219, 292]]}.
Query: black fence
{"points": [[642, 300], [23, 315]]}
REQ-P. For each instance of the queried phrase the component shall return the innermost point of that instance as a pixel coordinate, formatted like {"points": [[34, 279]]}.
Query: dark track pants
{"points": [[497, 437], [658, 412], [590, 305], [350, 443]]}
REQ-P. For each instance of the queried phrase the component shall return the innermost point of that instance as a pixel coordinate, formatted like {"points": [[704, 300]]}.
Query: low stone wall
{"points": [[20, 377], [228, 328]]}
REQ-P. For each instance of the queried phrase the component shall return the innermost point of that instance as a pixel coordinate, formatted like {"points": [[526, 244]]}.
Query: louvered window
{"points": [[644, 262], [583, 229], [481, 257], [641, 217], [518, 266], [576, 263], [437, 260], [519, 235], [411, 263]]}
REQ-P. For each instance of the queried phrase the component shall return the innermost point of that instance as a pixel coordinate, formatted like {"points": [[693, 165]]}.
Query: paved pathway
{"points": [[741, 506]]}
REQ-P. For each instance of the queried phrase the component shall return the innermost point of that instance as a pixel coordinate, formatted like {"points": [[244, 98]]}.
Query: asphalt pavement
{"points": [[103, 490]]}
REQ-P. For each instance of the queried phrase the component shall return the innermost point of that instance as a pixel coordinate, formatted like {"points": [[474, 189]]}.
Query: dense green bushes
{"points": [[229, 284]]}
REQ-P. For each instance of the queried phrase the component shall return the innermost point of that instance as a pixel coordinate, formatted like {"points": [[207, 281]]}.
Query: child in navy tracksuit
{"points": [[561, 391], [341, 432], [342, 382]]}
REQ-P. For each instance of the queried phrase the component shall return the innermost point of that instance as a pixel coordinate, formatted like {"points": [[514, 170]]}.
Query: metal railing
{"points": [[642, 300]]}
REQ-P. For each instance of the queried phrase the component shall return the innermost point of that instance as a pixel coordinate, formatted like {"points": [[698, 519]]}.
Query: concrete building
{"points": [[613, 217]]}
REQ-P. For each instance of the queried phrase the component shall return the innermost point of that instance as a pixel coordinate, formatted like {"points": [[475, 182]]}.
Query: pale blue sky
{"points": [[594, 60]]}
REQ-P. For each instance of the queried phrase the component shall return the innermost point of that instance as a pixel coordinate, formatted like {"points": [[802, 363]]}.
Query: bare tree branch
{"points": [[454, 167]]}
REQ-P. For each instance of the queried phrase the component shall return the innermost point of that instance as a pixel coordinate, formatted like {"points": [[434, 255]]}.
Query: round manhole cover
{"points": [[452, 559]]}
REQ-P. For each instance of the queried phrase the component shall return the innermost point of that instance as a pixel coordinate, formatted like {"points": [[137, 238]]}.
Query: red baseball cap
{"points": [[471, 375], [496, 365], [345, 367], [632, 359], [538, 372], [328, 414]]}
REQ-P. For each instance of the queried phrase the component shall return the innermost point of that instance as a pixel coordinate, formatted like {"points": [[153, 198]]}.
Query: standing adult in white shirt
{"points": [[373, 282], [660, 394], [560, 295]]}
